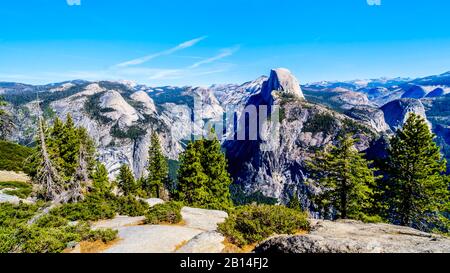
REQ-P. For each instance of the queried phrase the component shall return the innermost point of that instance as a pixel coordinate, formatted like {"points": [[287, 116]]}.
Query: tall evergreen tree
{"points": [[69, 147], [100, 179], [417, 189], [345, 180], [86, 157], [294, 203], [126, 180], [215, 166], [192, 181], [158, 169], [203, 179]]}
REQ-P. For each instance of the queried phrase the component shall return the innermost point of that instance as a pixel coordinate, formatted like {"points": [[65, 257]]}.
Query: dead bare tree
{"points": [[47, 176]]}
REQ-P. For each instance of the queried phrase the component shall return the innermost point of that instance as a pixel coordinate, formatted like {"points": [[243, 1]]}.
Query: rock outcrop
{"points": [[117, 109], [371, 116], [196, 234], [355, 237], [147, 102], [282, 80], [397, 111]]}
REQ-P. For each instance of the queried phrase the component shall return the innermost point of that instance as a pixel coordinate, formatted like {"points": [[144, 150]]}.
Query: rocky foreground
{"points": [[349, 236], [196, 234]]}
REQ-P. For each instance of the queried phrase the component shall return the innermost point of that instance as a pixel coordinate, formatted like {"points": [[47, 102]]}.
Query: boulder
{"points": [[203, 219], [206, 242], [154, 201], [349, 236]]}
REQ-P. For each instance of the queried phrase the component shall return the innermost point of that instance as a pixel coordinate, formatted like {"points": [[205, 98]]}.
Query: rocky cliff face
{"points": [[396, 112], [275, 165]]}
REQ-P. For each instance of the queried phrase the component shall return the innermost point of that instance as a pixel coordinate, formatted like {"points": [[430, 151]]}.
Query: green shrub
{"points": [[51, 221], [19, 189], [95, 207], [252, 224], [130, 206], [167, 213], [13, 215], [13, 156], [104, 235]]}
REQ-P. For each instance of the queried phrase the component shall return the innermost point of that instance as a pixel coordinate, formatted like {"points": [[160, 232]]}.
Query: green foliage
{"points": [[13, 157], [417, 192], [133, 132], [294, 203], [241, 198], [166, 213], [346, 181], [126, 181], [13, 215], [252, 224], [100, 180], [203, 180], [49, 234], [320, 123], [94, 207], [158, 169], [130, 206], [19, 189]]}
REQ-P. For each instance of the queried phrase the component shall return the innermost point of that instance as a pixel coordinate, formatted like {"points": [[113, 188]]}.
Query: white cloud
{"points": [[225, 53], [147, 58]]}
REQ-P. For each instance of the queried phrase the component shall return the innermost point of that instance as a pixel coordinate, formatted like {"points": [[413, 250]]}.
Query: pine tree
{"points": [[294, 203], [69, 147], [345, 180], [86, 157], [215, 166], [203, 179], [45, 173], [158, 169], [192, 181], [416, 187], [126, 181], [100, 179]]}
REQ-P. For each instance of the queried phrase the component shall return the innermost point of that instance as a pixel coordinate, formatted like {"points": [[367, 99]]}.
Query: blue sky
{"points": [[200, 42]]}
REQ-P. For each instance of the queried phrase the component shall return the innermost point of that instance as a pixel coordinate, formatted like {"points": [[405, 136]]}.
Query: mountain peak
{"points": [[281, 79]]}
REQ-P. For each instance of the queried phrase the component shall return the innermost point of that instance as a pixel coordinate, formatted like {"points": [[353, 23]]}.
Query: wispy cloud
{"points": [[225, 53], [169, 51]]}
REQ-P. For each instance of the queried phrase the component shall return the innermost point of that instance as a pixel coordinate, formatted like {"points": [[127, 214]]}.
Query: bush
{"points": [[49, 234], [19, 189], [130, 206], [14, 215], [95, 207], [13, 156], [252, 224], [167, 213]]}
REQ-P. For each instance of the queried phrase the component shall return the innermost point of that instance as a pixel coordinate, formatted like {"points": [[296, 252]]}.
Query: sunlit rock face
{"points": [[396, 112], [275, 163]]}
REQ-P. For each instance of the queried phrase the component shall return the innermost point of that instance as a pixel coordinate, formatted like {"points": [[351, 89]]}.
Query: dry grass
{"points": [[92, 247], [232, 248], [180, 245], [6, 176]]}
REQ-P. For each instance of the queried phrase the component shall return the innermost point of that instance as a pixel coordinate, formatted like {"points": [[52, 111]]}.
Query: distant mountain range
{"points": [[121, 116]]}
